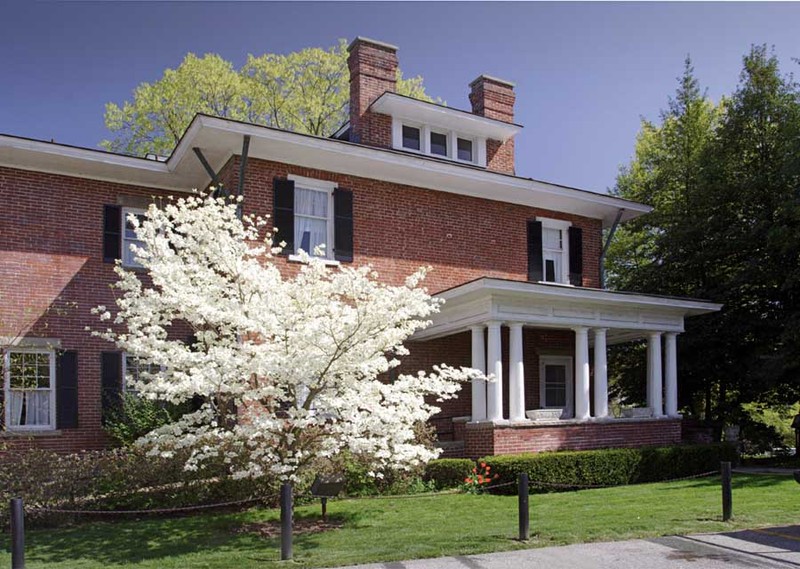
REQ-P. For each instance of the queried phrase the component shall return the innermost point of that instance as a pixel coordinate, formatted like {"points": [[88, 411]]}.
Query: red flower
{"points": [[480, 479], [497, 476], [474, 471], [468, 480], [483, 465]]}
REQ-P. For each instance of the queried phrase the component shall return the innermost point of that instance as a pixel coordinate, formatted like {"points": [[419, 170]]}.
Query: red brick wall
{"points": [[52, 273], [495, 99], [399, 228], [482, 439]]}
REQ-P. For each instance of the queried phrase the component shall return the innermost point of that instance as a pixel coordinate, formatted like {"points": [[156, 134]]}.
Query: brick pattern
{"points": [[495, 100], [486, 439], [373, 71], [51, 274]]}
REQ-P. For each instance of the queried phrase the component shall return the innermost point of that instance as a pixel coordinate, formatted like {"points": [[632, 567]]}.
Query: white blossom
{"points": [[287, 366]]}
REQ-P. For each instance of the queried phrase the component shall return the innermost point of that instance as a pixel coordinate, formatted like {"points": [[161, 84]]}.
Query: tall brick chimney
{"points": [[373, 71], [494, 99]]}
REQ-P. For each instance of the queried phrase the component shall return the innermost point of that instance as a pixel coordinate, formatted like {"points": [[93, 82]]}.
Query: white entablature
{"points": [[627, 316]]}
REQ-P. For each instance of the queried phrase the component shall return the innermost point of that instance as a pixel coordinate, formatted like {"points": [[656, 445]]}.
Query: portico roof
{"points": [[626, 315]]}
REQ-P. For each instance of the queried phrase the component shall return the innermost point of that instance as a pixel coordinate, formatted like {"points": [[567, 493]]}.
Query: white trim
{"points": [[7, 389], [566, 361], [316, 185], [313, 183], [563, 226], [125, 212], [328, 262]]}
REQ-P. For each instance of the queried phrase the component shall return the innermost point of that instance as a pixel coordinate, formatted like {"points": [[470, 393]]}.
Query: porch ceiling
{"points": [[627, 316]]}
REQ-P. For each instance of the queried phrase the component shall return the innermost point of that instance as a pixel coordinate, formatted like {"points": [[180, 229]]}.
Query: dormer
{"points": [[382, 118], [442, 132]]}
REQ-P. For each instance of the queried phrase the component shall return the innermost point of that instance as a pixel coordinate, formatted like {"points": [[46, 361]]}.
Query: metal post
{"points": [[727, 494], [524, 512], [17, 534], [286, 521], [324, 501]]}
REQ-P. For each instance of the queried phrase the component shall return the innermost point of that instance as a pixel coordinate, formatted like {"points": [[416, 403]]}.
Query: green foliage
{"points": [[608, 467], [118, 479], [305, 91], [137, 416], [449, 472], [775, 421], [724, 181]]}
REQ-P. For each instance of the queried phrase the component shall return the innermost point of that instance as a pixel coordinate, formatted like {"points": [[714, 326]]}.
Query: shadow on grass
{"points": [[132, 541]]}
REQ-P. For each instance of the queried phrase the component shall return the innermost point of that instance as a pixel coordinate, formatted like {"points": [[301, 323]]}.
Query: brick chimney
{"points": [[373, 71], [494, 99]]}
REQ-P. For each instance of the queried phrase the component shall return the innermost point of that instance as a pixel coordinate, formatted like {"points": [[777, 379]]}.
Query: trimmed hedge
{"points": [[448, 472], [608, 467]]}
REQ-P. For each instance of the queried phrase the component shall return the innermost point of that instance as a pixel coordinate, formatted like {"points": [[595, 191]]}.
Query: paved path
{"points": [[771, 548]]}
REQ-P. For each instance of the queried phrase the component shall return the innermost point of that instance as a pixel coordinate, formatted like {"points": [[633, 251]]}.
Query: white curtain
{"points": [[37, 408], [311, 219]]}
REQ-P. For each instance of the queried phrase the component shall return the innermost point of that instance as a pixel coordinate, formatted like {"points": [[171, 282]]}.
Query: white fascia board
{"points": [[219, 137], [488, 286], [435, 115]]}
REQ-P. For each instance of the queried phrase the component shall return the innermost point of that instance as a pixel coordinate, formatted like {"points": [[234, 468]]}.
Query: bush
{"points": [[448, 472], [608, 467], [118, 479], [136, 416]]}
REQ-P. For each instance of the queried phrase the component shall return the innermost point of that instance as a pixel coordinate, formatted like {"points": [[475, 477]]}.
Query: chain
{"points": [[153, 511]]}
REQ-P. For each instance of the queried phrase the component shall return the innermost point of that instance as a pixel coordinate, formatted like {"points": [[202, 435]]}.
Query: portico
{"points": [[572, 377]]}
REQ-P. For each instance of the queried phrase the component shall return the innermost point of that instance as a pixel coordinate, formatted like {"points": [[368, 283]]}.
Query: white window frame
{"points": [[563, 226], [318, 186], [7, 389], [124, 241], [125, 387], [425, 130], [566, 361]]}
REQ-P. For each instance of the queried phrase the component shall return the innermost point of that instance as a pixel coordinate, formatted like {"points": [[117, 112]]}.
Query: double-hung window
{"points": [[313, 215], [135, 370], [555, 251], [555, 383], [129, 236], [29, 389]]}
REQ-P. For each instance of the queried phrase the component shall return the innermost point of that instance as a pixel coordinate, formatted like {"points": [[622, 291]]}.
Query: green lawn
{"points": [[400, 528]]}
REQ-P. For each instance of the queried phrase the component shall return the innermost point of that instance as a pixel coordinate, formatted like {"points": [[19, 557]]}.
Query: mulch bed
{"points": [[273, 529]]}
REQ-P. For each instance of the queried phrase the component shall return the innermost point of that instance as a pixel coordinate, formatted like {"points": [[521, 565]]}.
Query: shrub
{"points": [[136, 416], [448, 472], [608, 467], [118, 479]]}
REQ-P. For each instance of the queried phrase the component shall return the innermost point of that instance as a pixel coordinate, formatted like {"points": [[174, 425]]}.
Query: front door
{"points": [[556, 387]]}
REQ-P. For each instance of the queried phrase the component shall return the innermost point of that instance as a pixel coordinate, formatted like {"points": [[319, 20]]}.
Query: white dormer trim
{"points": [[478, 142]]}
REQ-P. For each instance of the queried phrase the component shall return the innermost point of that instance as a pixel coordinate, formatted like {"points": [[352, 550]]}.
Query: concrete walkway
{"points": [[777, 548]]}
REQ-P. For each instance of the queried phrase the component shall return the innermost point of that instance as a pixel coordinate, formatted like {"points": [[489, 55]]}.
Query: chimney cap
{"points": [[362, 39], [482, 78]]}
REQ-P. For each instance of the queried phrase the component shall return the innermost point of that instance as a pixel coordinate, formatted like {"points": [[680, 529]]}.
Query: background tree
{"points": [[287, 367], [724, 182], [305, 91]]}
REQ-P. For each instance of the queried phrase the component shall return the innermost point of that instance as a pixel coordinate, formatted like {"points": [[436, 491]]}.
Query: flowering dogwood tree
{"points": [[287, 367]]}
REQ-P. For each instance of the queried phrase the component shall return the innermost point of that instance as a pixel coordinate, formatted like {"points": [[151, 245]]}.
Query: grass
{"points": [[391, 529]]}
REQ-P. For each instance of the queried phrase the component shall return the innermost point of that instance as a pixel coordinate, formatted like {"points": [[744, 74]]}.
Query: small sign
{"points": [[327, 486]]}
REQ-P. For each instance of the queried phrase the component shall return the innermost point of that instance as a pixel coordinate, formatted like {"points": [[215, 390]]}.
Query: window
{"points": [[313, 215], [555, 383], [438, 144], [129, 236], [133, 370], [30, 389], [465, 149], [411, 137], [555, 250]]}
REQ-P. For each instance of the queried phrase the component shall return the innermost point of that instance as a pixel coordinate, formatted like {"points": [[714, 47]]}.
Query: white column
{"points": [[516, 374], [478, 385], [581, 372], [600, 374], [494, 366], [654, 383], [671, 374]]}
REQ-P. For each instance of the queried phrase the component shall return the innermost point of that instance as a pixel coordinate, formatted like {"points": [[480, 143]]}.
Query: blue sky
{"points": [[585, 72]]}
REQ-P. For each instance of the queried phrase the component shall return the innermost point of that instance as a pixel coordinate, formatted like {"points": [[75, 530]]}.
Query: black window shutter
{"points": [[67, 390], [575, 256], [112, 233], [110, 382], [284, 213], [343, 224], [535, 263]]}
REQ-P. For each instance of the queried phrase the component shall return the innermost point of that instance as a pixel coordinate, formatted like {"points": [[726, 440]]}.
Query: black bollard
{"points": [[727, 493], [524, 512], [286, 521], [17, 534]]}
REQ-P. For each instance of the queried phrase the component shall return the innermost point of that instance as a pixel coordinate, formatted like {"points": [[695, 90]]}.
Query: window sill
{"points": [[327, 262], [556, 283], [23, 433]]}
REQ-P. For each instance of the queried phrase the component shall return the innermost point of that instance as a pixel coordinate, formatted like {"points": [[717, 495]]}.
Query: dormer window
{"points": [[438, 144], [465, 150], [411, 138]]}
